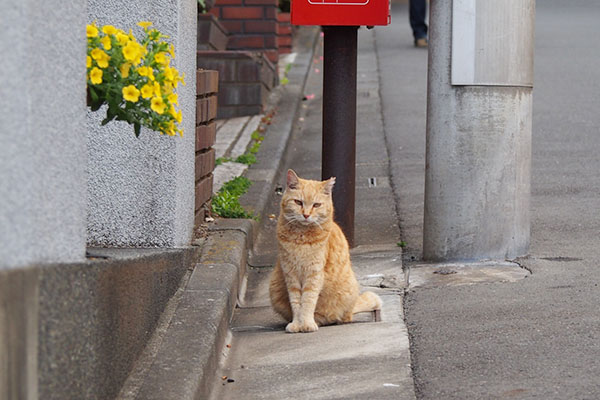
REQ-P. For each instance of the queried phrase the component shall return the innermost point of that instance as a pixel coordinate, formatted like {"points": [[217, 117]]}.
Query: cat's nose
{"points": [[306, 216]]}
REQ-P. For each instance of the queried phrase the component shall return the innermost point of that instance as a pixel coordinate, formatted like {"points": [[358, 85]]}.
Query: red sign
{"points": [[341, 12]]}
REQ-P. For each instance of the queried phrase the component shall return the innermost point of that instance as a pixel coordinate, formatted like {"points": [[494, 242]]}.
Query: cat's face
{"points": [[307, 202]]}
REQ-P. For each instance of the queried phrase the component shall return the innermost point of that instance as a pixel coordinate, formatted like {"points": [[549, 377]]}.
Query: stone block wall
{"points": [[245, 80], [252, 25], [207, 86]]}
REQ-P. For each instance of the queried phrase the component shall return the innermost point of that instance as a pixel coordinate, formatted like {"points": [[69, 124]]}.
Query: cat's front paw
{"points": [[310, 326], [293, 327]]}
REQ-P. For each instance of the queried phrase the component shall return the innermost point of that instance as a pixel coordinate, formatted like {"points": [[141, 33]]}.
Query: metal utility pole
{"points": [[479, 117], [339, 121]]}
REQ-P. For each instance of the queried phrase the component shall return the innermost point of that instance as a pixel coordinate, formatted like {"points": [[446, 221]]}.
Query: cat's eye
{"points": [[316, 205], [298, 202]]}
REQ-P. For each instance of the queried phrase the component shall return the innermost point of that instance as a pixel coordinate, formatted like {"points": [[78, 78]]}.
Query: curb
{"points": [[187, 351], [187, 354]]}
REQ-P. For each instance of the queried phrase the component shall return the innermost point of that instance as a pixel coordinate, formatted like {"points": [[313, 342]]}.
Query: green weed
{"points": [[226, 202]]}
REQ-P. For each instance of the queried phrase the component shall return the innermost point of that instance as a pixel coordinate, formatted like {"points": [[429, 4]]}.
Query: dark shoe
{"points": [[421, 42]]}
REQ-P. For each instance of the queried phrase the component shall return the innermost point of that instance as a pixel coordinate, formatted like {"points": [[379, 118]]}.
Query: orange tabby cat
{"points": [[313, 283]]}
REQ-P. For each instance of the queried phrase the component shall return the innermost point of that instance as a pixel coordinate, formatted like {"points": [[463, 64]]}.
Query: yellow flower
{"points": [[156, 89], [157, 105], [88, 62], [106, 42], [175, 114], [96, 76], [167, 88], [144, 24], [131, 51], [173, 98], [125, 70], [130, 93], [147, 91], [122, 38], [146, 71], [91, 31], [169, 74], [172, 50], [161, 58], [109, 29], [101, 57]]}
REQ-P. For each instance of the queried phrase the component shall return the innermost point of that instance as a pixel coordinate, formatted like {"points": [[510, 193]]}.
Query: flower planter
{"points": [[212, 35]]}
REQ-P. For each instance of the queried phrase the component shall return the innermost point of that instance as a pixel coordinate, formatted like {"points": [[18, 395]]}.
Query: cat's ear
{"points": [[292, 180], [328, 187]]}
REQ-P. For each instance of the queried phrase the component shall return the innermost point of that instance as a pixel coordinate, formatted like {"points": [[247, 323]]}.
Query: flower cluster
{"points": [[134, 78]]}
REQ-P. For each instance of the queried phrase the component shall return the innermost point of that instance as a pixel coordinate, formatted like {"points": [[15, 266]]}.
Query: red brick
{"points": [[228, 2], [273, 3], [270, 42], [271, 13], [260, 26], [284, 30], [205, 136], [242, 12], [233, 26], [216, 11], [207, 81], [284, 41], [272, 55], [246, 42], [225, 68], [212, 107], [205, 163], [283, 17], [203, 110], [203, 191]]}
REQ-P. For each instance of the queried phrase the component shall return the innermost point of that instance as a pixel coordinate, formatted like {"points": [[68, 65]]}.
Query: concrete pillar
{"points": [[141, 190], [477, 185], [42, 132]]}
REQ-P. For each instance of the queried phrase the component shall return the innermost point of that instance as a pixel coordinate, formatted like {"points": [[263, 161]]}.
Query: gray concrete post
{"points": [[42, 132], [141, 190], [477, 185]]}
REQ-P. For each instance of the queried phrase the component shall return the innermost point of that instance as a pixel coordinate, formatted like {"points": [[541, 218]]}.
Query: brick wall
{"points": [[284, 33], [245, 80], [207, 85], [252, 25]]}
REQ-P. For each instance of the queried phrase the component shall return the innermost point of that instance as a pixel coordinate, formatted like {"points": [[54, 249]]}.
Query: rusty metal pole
{"points": [[339, 121]]}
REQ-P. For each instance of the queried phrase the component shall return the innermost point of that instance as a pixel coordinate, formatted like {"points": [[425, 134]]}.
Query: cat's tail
{"points": [[368, 301]]}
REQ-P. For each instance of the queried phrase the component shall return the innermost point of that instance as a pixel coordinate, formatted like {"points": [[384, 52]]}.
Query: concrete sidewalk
{"points": [[365, 359]]}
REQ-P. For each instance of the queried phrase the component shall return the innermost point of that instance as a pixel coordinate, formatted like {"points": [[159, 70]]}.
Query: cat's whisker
{"points": [[319, 225]]}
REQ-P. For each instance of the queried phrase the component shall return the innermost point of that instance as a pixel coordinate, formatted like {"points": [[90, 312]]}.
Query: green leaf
{"points": [[136, 129]]}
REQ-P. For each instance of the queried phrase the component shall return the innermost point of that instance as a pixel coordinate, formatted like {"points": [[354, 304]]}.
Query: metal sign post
{"points": [[339, 121]]}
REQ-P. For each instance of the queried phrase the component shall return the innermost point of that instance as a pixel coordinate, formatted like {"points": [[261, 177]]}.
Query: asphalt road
{"points": [[538, 338]]}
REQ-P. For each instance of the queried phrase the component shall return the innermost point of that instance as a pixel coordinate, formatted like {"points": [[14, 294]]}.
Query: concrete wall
{"points": [[141, 190], [42, 132]]}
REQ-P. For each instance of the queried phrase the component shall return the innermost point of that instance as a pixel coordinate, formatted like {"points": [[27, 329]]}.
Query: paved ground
{"points": [[365, 359], [538, 337], [528, 333]]}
